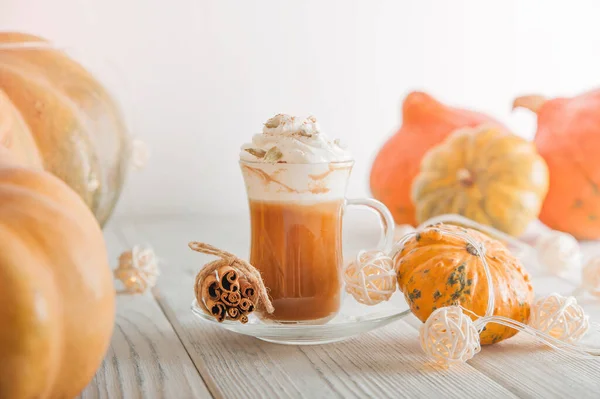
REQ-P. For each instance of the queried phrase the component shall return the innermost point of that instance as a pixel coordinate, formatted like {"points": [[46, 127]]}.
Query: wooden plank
{"points": [[531, 370], [146, 358], [386, 363]]}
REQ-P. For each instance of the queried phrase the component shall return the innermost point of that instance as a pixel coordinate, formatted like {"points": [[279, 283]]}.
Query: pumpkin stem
{"points": [[465, 177], [531, 102], [418, 105]]}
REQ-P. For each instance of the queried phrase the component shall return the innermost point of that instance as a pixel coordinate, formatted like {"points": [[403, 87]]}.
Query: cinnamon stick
{"points": [[234, 313], [211, 289], [217, 309], [246, 305], [228, 279], [247, 289], [244, 319], [231, 299]]}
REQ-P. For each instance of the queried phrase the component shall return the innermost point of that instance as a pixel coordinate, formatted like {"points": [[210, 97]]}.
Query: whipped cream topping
{"points": [[289, 139]]}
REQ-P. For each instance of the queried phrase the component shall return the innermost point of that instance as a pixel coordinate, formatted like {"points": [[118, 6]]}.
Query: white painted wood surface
{"points": [[160, 349], [146, 358]]}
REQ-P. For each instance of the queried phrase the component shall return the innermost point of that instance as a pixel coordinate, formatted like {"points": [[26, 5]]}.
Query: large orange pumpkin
{"points": [[436, 269], [568, 137], [56, 289], [425, 123], [55, 113]]}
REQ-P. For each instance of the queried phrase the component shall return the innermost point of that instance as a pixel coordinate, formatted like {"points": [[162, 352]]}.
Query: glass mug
{"points": [[296, 215]]}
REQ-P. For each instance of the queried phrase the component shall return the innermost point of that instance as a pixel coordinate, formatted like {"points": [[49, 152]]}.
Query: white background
{"points": [[197, 78]]}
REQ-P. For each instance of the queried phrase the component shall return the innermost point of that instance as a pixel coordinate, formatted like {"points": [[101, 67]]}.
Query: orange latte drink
{"points": [[296, 182], [298, 249]]}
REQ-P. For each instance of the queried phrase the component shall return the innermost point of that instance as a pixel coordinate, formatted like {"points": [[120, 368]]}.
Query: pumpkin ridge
{"points": [[22, 342], [26, 72], [120, 177], [15, 134], [14, 198], [426, 188], [441, 204], [480, 214]]}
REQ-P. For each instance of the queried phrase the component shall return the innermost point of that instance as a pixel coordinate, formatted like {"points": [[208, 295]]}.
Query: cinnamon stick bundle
{"points": [[229, 288]]}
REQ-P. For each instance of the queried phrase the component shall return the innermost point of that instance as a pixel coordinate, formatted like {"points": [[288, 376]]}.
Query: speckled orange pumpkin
{"points": [[436, 269]]}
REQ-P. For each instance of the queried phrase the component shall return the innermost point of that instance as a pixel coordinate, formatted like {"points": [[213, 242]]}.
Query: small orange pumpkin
{"points": [[568, 131], [425, 123], [56, 288], [436, 269]]}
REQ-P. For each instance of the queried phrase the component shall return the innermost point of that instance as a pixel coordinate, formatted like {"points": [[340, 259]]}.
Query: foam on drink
{"points": [[298, 140]]}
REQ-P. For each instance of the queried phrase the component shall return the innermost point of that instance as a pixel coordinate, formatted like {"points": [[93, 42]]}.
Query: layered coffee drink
{"points": [[296, 181], [297, 248]]}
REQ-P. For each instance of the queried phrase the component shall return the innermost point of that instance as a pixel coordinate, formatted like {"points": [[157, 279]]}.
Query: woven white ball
{"points": [[559, 252], [449, 336], [138, 269], [371, 278], [590, 276], [560, 317]]}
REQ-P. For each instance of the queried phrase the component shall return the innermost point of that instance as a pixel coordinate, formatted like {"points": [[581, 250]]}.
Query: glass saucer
{"points": [[353, 319]]}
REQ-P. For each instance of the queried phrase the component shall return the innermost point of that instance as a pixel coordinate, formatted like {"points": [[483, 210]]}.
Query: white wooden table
{"points": [[159, 349]]}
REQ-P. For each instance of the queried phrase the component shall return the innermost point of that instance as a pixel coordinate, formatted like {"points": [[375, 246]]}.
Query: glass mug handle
{"points": [[386, 240]]}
